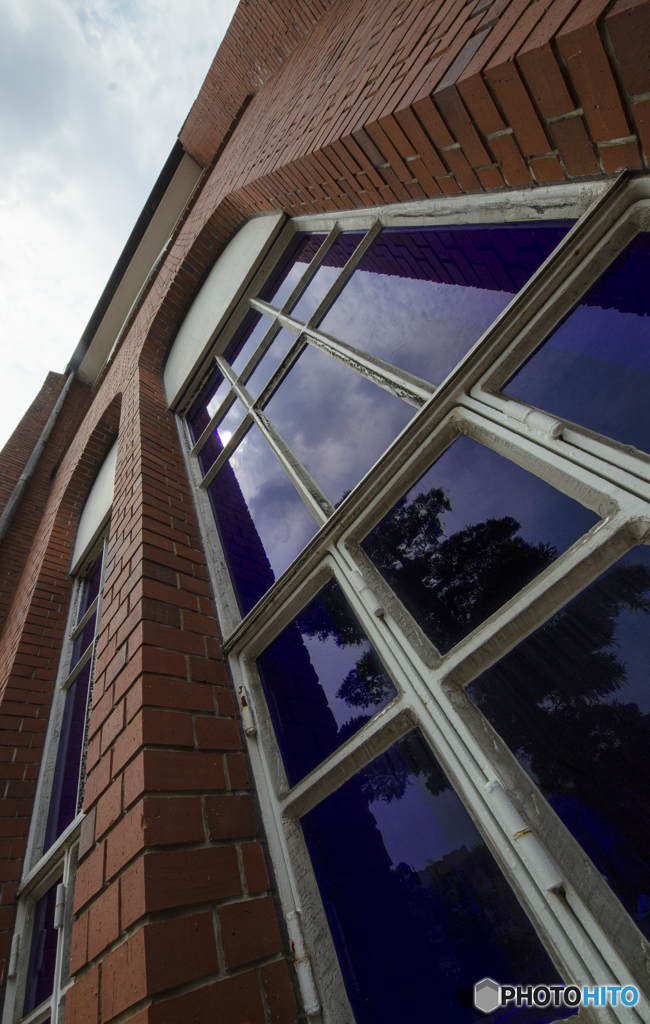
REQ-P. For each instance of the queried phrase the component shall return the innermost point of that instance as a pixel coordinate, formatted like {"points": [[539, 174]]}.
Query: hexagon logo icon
{"points": [[486, 995]]}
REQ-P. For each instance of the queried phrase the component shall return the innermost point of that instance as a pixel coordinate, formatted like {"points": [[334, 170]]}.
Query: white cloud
{"points": [[92, 96]]}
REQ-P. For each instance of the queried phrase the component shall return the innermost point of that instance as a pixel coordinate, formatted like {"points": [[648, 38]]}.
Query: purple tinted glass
{"points": [[240, 352], [572, 702], [417, 906], [90, 586], [270, 361], [323, 680], [468, 536], [421, 299], [85, 638], [300, 253], [65, 785], [337, 422], [207, 404], [595, 368], [336, 258], [221, 435], [262, 521], [42, 954]]}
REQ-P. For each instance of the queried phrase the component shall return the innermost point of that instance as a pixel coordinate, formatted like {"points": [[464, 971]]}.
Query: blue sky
{"points": [[92, 96]]}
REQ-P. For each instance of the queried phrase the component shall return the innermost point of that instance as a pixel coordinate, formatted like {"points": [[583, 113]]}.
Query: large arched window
{"points": [[421, 449], [40, 955]]}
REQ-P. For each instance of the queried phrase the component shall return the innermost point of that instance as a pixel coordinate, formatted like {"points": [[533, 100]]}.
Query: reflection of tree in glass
{"points": [[387, 777], [367, 684], [451, 584], [552, 699]]}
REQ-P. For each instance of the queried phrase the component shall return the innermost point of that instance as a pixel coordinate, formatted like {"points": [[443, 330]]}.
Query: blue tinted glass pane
{"points": [[336, 258], [85, 638], [573, 704], [65, 786], [322, 680], [595, 368], [293, 265], [242, 349], [42, 954], [420, 299], [207, 404], [262, 520], [418, 909], [336, 422], [270, 361], [470, 534], [230, 422], [90, 586]]}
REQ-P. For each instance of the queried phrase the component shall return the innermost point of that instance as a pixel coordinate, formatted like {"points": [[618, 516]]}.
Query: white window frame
{"points": [[42, 866], [584, 927]]}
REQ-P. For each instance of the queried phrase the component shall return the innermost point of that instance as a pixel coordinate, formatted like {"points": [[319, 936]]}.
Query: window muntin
{"points": [[284, 279], [423, 682], [323, 681], [42, 955], [572, 702], [417, 905], [594, 369], [472, 532], [421, 299]]}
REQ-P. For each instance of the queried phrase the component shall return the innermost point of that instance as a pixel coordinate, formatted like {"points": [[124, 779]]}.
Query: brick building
{"points": [[324, 565]]}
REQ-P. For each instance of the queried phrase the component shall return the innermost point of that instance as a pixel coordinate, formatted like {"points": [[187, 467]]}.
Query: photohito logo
{"points": [[488, 995]]}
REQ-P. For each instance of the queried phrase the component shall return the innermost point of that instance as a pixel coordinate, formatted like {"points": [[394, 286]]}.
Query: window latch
{"points": [[248, 718], [59, 906], [532, 852]]}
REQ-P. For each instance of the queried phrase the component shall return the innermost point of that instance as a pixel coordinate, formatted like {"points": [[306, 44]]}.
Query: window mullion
{"points": [[313, 266], [224, 455], [345, 274], [88, 614]]}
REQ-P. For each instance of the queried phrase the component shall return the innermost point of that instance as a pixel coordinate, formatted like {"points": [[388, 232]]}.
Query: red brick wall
{"points": [[375, 102], [13, 458]]}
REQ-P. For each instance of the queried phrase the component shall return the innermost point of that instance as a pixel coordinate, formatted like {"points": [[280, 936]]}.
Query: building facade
{"points": [[324, 576]]}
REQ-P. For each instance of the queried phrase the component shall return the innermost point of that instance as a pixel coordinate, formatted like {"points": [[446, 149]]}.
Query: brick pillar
{"points": [[176, 920]]}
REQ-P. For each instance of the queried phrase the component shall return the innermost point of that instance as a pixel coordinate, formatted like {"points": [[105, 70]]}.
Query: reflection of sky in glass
{"points": [[451, 589], [262, 520], [42, 956], [262, 325], [278, 288], [315, 678], [207, 403], [572, 701], [270, 361], [420, 299], [418, 908], [230, 422], [595, 368], [217, 398], [332, 265], [337, 422]]}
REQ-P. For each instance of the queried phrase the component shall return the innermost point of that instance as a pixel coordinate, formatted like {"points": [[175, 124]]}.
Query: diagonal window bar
{"points": [[82, 622], [312, 267]]}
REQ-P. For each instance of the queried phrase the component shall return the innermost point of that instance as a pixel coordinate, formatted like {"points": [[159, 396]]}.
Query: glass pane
{"points": [[336, 258], [417, 906], [337, 422], [65, 785], [42, 954], [207, 404], [262, 520], [420, 299], [85, 638], [270, 361], [468, 536], [595, 368], [90, 586], [230, 422], [298, 256], [322, 680], [240, 350], [573, 704]]}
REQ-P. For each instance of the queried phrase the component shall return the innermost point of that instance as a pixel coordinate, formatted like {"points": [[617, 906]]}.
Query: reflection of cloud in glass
{"points": [[337, 422], [270, 361], [279, 514], [230, 422], [329, 270], [595, 368], [421, 299]]}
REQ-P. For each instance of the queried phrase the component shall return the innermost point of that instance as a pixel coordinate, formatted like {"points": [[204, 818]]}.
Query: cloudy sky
{"points": [[92, 96]]}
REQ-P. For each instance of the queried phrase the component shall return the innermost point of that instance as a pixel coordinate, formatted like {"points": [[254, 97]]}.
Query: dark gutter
{"points": [[136, 236]]}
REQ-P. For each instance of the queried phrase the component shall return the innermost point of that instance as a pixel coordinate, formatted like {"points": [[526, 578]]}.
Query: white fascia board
{"points": [[220, 293], [144, 259]]}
